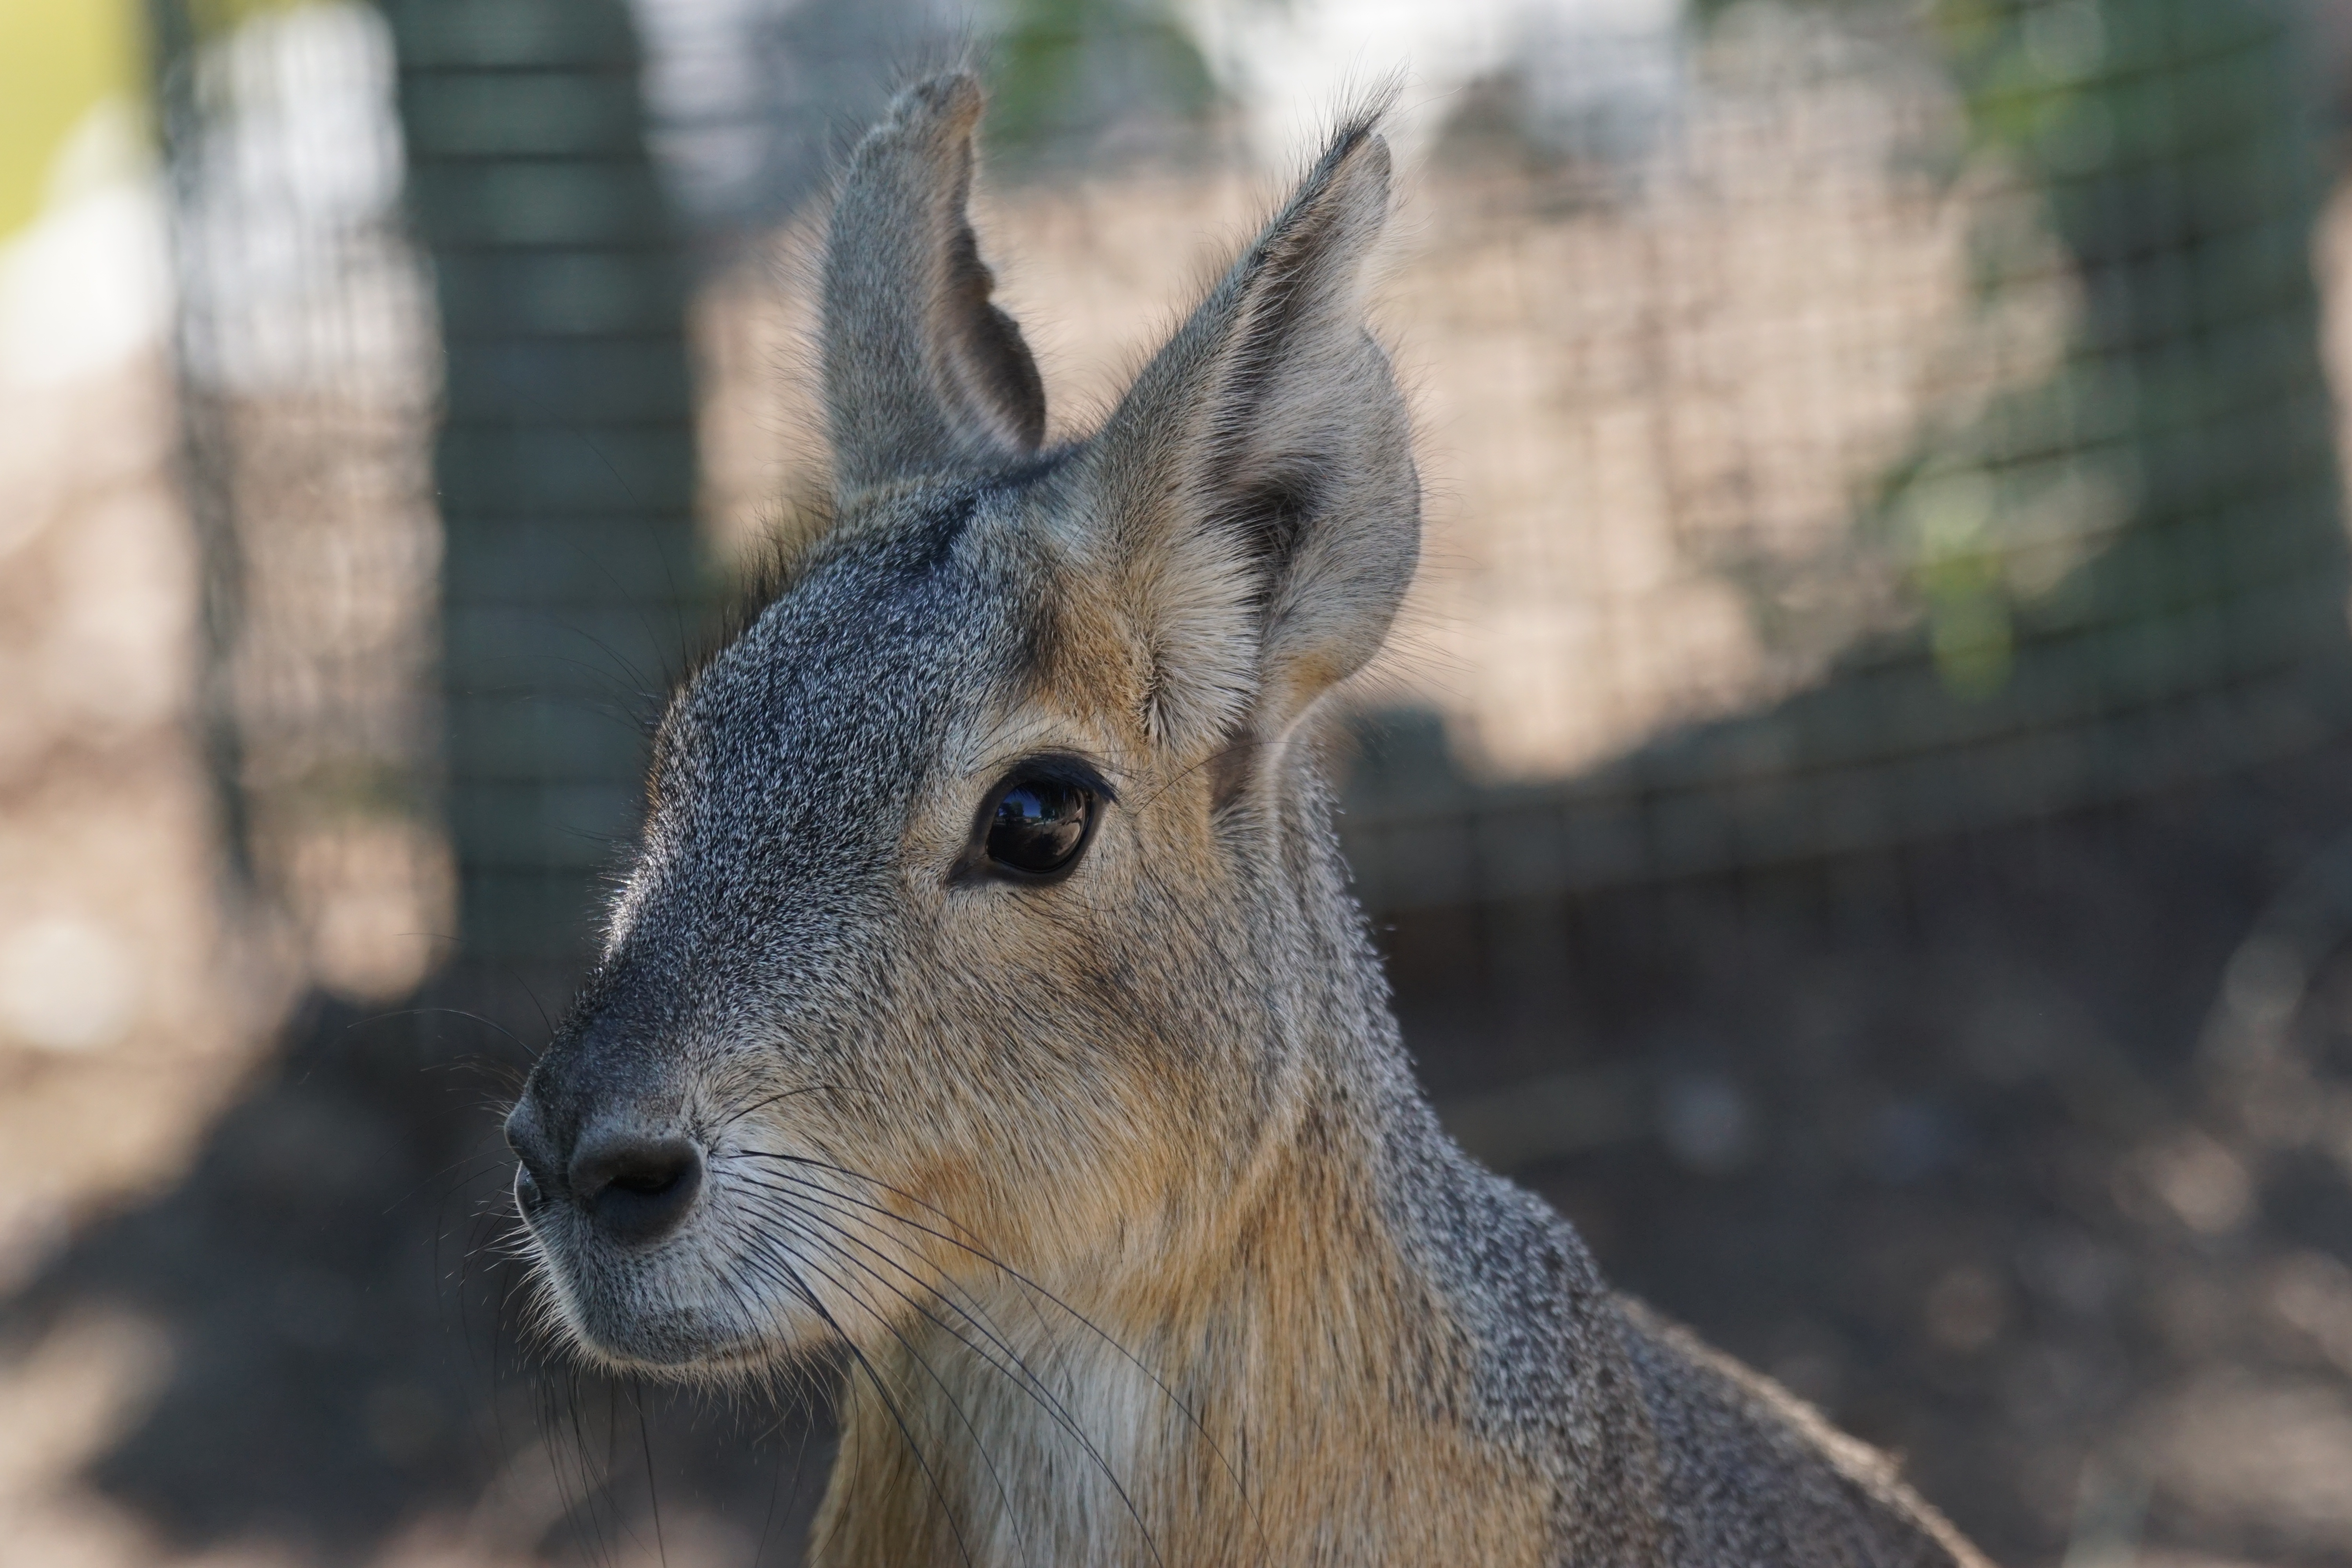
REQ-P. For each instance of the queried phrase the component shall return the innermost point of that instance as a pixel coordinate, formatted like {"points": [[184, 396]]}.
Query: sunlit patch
{"points": [[66, 983]]}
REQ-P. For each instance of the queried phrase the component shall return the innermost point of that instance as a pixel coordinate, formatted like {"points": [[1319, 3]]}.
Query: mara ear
{"points": [[922, 375], [1254, 495]]}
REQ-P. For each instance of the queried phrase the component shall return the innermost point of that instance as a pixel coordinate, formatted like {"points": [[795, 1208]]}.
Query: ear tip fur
{"points": [[950, 100], [1358, 131]]}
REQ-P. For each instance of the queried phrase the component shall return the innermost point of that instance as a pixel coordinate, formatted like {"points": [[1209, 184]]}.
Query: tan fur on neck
{"points": [[1295, 1401]]}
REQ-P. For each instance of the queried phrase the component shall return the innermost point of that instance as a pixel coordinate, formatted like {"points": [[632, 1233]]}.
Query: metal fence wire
{"points": [[307, 376], [1859, 436], [1984, 435], [1846, 424]]}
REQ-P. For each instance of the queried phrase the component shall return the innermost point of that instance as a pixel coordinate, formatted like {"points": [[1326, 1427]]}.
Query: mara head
{"points": [[984, 876]]}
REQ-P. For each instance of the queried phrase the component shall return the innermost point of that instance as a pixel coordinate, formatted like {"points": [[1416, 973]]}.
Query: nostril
{"points": [[636, 1189], [529, 1196], [534, 1162]]}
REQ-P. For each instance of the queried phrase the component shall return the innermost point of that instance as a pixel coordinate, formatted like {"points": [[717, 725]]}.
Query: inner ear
{"points": [[1231, 769], [980, 346], [1272, 519]]}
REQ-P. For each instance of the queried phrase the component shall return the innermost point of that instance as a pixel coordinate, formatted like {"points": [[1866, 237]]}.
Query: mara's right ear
{"points": [[1253, 497], [922, 374]]}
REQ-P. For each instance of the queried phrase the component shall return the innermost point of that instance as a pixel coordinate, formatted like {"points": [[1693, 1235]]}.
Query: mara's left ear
{"points": [[1253, 497], [922, 374]]}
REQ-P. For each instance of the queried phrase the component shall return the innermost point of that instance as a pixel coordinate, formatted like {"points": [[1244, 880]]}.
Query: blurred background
{"points": [[1859, 813]]}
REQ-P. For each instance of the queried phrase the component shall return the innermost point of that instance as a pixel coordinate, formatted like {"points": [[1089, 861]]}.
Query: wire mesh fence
{"points": [[1860, 440], [308, 374], [1845, 423], [1979, 425]]}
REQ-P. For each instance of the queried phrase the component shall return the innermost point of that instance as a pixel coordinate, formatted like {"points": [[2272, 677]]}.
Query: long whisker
{"points": [[1003, 1496], [423, 1012], [1037, 1392], [653, 1488], [761, 1105], [978, 1316], [1007, 1270], [1029, 1383], [790, 1278], [784, 1209]]}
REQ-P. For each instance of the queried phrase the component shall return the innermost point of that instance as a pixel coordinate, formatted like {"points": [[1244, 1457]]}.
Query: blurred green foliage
{"points": [[1062, 67], [2157, 153]]}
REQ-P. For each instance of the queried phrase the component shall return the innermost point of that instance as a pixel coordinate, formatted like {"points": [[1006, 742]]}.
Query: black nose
{"points": [[635, 1189]]}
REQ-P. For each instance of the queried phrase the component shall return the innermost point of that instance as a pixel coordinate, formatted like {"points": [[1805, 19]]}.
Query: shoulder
{"points": [[1752, 1473]]}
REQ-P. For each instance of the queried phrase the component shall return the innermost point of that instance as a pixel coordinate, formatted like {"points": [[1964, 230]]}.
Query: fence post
{"points": [[565, 462]]}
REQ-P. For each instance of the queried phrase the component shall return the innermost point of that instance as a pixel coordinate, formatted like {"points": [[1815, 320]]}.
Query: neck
{"points": [[1308, 1396]]}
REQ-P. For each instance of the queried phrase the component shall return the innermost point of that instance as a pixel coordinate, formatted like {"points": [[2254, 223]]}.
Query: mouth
{"points": [[642, 1314], [685, 1305]]}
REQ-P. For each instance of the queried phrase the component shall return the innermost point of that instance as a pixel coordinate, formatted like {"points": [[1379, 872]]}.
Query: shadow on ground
{"points": [[349, 1365], [1930, 1135]]}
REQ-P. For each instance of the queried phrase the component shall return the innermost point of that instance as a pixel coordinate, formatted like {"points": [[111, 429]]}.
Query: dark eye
{"points": [[1040, 825]]}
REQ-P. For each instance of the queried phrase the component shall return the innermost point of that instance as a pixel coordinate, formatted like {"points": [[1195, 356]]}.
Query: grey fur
{"points": [[1166, 1094]]}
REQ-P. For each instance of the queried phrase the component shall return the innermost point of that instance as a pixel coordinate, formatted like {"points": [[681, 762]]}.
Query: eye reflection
{"points": [[1039, 825]]}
